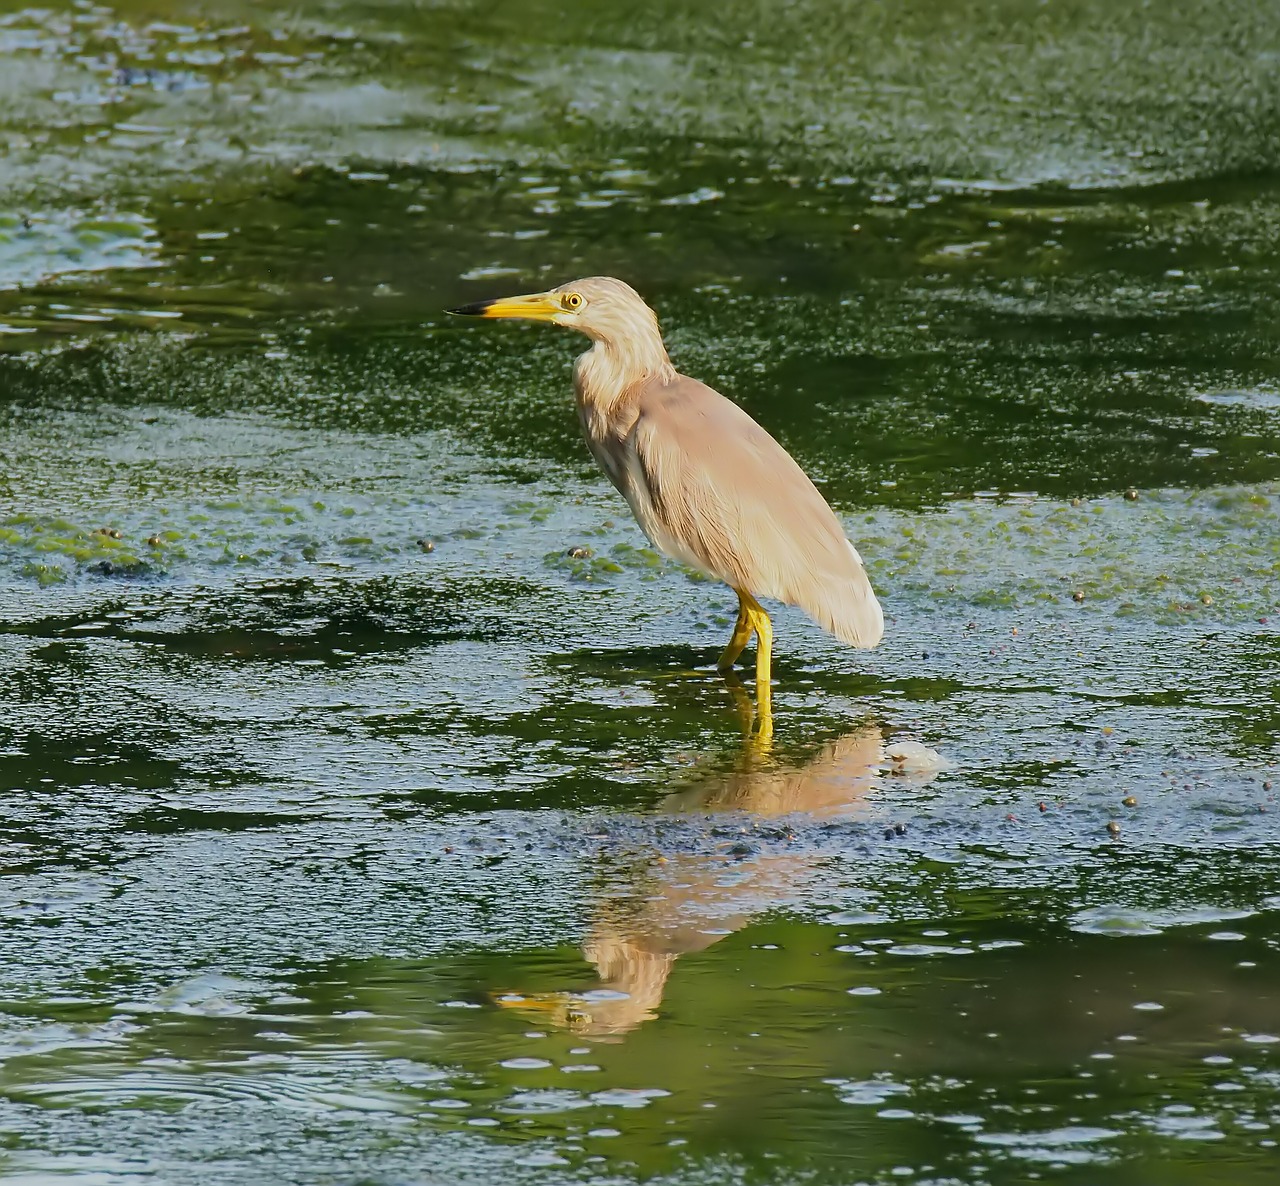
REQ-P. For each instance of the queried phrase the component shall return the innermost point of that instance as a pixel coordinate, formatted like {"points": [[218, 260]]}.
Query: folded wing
{"points": [[718, 492]]}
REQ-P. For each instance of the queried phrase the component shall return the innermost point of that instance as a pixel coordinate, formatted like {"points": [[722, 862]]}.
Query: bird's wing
{"points": [[723, 495]]}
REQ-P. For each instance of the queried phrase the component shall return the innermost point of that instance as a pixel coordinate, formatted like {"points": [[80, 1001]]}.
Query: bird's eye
{"points": [[573, 301]]}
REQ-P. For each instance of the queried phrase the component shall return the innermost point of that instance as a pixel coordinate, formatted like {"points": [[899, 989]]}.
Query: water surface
{"points": [[357, 832]]}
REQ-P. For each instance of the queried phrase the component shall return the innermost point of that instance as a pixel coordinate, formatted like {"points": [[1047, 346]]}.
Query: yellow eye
{"points": [[573, 301]]}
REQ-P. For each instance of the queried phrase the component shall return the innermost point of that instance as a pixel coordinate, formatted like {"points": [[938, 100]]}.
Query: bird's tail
{"points": [[850, 609]]}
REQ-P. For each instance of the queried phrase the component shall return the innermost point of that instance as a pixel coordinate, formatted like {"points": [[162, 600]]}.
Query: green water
{"points": [[356, 833]]}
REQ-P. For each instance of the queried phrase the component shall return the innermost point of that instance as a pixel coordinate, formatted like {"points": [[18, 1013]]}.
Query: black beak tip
{"points": [[472, 310]]}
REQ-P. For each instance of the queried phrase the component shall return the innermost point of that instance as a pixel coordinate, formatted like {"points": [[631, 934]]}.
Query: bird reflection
{"points": [[668, 904]]}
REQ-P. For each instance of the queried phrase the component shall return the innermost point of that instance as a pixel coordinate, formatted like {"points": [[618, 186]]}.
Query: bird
{"points": [[706, 483]]}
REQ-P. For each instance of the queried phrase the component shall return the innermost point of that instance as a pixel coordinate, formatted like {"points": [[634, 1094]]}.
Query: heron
{"points": [[706, 483]]}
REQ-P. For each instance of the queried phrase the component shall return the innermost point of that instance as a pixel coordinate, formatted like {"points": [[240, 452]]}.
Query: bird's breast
{"points": [[606, 443]]}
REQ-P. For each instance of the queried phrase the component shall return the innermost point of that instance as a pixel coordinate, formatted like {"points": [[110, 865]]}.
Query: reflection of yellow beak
{"points": [[539, 1002], [538, 306], [568, 1011]]}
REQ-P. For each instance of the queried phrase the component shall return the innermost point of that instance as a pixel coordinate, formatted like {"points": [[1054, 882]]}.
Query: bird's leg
{"points": [[757, 623], [752, 619], [760, 625], [741, 633]]}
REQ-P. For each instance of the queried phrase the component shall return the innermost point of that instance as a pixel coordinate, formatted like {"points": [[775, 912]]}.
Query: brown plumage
{"points": [[706, 483], [751, 516]]}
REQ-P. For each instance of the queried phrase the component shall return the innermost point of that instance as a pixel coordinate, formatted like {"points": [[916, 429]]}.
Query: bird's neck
{"points": [[610, 368]]}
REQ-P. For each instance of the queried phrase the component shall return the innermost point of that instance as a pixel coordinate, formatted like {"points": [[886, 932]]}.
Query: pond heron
{"points": [[708, 486]]}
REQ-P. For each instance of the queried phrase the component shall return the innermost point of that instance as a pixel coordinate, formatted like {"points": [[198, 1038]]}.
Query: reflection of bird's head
{"points": [[634, 976], [601, 307]]}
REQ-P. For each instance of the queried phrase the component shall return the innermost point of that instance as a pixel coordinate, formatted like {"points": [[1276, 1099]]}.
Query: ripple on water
{"points": [[1059, 1145], [926, 949], [1184, 1123], [170, 1089], [1256, 397], [42, 246], [209, 995], [628, 1097], [547, 1101], [1130, 920], [868, 1092]]}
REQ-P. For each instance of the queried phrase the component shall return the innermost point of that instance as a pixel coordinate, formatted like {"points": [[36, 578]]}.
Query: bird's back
{"points": [[713, 489]]}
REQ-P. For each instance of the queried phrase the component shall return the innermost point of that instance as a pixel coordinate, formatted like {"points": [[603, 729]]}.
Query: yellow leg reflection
{"points": [[764, 709], [741, 701], [759, 742]]}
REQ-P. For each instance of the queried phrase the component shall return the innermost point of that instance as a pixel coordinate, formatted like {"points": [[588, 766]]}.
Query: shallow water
{"points": [[358, 833]]}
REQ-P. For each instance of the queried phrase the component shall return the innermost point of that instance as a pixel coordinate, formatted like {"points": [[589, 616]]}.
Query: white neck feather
{"points": [[610, 368]]}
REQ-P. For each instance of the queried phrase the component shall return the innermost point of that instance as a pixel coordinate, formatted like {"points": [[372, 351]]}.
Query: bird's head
{"points": [[601, 307]]}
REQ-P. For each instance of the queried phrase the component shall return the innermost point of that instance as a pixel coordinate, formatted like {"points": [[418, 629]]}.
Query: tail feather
{"points": [[845, 605]]}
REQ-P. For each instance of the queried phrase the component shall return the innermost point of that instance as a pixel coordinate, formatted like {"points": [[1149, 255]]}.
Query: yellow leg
{"points": [[752, 619], [741, 634], [760, 625]]}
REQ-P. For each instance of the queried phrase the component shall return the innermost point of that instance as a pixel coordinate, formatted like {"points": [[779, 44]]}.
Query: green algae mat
{"points": [[373, 814]]}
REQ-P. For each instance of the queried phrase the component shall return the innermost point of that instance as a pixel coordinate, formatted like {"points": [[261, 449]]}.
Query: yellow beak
{"points": [[538, 306]]}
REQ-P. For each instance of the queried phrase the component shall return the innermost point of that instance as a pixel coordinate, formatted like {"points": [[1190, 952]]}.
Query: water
{"points": [[358, 833]]}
